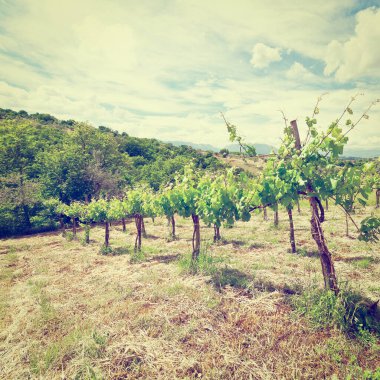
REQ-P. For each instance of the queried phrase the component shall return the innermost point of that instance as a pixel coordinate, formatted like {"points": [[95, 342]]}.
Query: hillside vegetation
{"points": [[42, 158]]}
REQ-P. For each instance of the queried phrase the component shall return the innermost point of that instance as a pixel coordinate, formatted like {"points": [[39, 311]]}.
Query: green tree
{"points": [[186, 194]]}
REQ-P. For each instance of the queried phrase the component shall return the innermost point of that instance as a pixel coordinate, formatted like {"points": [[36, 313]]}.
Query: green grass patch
{"points": [[346, 311], [138, 257], [364, 263], [79, 343], [207, 264]]}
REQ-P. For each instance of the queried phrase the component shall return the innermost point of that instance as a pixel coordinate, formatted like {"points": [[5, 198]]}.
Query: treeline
{"points": [[43, 158]]}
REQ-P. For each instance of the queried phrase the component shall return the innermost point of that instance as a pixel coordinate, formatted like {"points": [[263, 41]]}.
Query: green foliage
{"points": [[104, 250], [315, 170], [250, 150], [44, 158], [166, 203], [224, 152], [223, 199], [138, 257], [134, 202], [346, 311], [187, 192], [207, 263], [87, 228], [74, 210], [352, 183], [370, 229], [69, 236], [115, 210], [371, 375]]}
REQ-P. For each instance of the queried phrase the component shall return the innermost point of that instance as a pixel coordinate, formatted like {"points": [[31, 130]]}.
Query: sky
{"points": [[168, 68]]}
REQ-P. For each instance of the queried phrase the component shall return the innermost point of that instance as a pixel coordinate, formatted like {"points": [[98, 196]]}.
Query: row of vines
{"points": [[311, 169]]}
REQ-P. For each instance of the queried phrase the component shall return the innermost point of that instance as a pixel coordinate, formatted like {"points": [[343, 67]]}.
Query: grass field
{"points": [[67, 312]]}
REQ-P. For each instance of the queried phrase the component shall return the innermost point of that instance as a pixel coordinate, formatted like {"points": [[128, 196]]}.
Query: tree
{"points": [[73, 211], [20, 142], [308, 168], [187, 193], [105, 211], [134, 206], [167, 206], [85, 218], [219, 200]]}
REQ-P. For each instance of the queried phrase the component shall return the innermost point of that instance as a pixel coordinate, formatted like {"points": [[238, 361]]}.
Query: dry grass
{"points": [[252, 165], [67, 312]]}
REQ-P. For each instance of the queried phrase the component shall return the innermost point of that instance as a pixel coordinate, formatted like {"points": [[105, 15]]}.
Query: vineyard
{"points": [[266, 270], [68, 311]]}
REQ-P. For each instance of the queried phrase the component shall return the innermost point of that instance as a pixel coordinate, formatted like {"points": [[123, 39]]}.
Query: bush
{"points": [[346, 311], [104, 250], [69, 236], [224, 152]]}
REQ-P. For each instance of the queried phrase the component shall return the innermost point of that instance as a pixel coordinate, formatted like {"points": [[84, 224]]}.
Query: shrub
{"points": [[69, 236], [224, 152], [346, 311], [104, 250]]}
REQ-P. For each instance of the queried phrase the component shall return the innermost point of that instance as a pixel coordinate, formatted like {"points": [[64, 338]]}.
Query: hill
{"points": [[43, 158], [260, 148]]}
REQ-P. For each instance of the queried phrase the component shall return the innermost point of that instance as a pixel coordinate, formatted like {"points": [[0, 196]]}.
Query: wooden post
{"points": [[172, 221], [107, 235], [265, 214], [217, 236], [296, 134], [291, 230], [196, 237], [138, 222], [276, 216]]}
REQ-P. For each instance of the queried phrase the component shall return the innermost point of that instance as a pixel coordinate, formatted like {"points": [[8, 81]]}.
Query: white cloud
{"points": [[166, 69], [359, 56], [263, 55], [298, 72]]}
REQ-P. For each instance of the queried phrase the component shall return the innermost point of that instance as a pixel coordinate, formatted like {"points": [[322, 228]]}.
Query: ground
{"points": [[67, 312], [253, 165]]}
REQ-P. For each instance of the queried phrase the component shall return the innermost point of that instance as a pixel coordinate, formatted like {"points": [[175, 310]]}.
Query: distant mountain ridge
{"points": [[266, 149], [260, 148], [207, 147], [362, 153]]}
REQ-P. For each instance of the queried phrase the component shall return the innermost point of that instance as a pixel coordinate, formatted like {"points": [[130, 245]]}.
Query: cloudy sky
{"points": [[167, 68]]}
